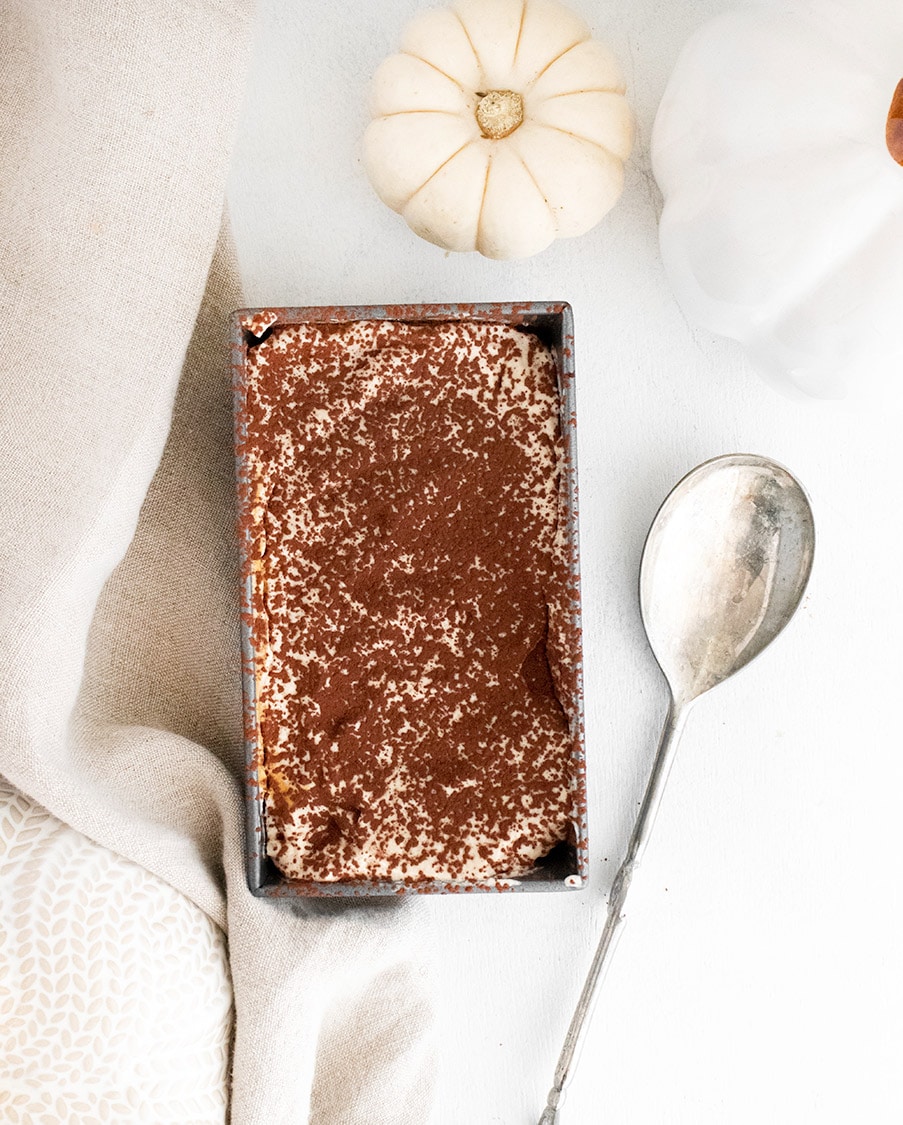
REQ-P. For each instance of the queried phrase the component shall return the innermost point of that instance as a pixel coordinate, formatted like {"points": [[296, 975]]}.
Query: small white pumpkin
{"points": [[778, 160], [500, 126]]}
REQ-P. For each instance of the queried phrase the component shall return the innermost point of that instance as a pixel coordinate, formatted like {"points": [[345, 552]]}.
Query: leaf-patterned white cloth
{"points": [[115, 999], [119, 659]]}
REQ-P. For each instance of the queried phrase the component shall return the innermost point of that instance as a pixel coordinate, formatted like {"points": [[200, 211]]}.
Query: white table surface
{"points": [[759, 977]]}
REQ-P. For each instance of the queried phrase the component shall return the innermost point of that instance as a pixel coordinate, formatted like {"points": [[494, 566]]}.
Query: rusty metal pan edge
{"points": [[554, 321]]}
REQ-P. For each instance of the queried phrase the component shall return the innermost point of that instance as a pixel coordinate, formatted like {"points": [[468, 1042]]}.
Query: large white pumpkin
{"points": [[500, 126], [783, 218]]}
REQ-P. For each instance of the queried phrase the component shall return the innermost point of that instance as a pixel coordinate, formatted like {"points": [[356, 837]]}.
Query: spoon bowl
{"points": [[725, 565]]}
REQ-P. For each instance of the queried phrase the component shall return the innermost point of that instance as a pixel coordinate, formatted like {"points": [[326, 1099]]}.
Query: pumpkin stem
{"points": [[895, 124], [499, 113]]}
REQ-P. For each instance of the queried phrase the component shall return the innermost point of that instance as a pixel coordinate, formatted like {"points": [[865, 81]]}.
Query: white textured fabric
{"points": [[115, 1000], [119, 670]]}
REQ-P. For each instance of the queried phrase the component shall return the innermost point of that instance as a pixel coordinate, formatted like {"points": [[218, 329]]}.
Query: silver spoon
{"points": [[725, 564]]}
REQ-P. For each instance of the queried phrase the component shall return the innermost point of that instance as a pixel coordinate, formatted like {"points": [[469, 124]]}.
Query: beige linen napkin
{"points": [[119, 686]]}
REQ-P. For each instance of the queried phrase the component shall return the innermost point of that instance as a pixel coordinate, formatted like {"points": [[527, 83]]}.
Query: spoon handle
{"points": [[642, 829]]}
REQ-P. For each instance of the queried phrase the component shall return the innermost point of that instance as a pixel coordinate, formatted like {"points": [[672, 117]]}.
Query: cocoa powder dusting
{"points": [[411, 600]]}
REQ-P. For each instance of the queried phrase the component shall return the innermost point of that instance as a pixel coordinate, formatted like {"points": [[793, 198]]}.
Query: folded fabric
{"points": [[119, 675]]}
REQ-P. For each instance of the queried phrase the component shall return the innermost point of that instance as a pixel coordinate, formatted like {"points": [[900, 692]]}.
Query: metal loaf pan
{"points": [[565, 868]]}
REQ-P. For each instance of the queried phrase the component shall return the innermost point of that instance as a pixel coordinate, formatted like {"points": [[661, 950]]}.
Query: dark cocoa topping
{"points": [[412, 600]]}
